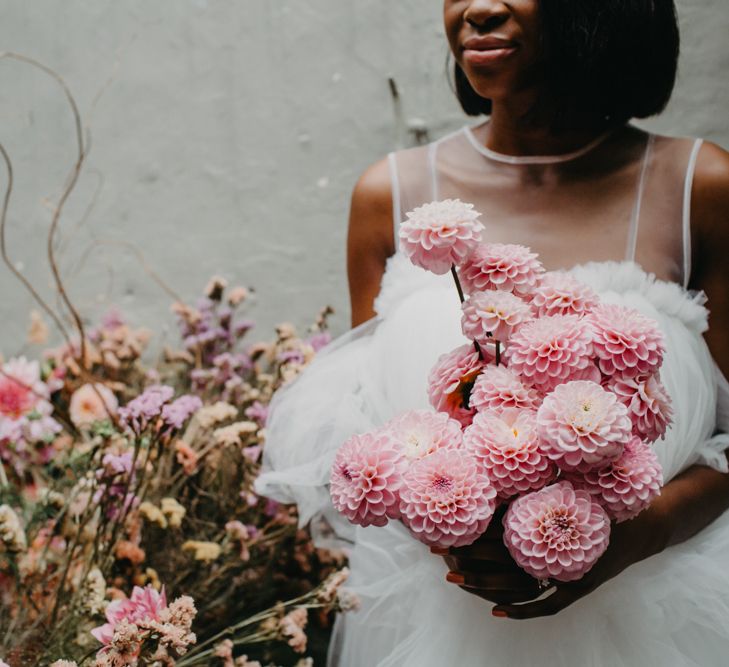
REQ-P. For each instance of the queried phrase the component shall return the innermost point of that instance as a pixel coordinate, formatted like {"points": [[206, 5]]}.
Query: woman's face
{"points": [[495, 43]]}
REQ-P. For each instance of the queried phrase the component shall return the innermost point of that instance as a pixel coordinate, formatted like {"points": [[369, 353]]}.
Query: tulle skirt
{"points": [[671, 609]]}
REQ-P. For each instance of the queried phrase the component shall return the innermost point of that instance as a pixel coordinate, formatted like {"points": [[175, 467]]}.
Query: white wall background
{"points": [[227, 136]]}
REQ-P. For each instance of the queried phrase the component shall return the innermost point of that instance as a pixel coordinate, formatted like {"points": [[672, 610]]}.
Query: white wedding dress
{"points": [[616, 214]]}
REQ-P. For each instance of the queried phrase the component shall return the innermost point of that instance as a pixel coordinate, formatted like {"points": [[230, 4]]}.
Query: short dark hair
{"points": [[607, 59]]}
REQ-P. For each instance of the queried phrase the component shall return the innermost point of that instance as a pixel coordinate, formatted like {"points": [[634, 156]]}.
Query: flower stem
{"points": [[454, 273]]}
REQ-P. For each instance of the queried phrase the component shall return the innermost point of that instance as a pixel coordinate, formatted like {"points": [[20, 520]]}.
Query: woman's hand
{"points": [[486, 569]]}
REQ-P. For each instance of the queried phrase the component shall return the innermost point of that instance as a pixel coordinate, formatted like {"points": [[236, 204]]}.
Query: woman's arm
{"points": [[689, 502], [370, 239]]}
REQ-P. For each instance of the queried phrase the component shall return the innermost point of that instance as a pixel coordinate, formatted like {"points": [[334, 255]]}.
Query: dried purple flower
{"points": [[180, 410]]}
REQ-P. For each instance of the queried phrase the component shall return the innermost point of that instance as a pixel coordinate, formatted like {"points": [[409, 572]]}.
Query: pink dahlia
{"points": [[648, 403], [441, 234], [421, 432], [625, 341], [498, 388], [450, 382], [551, 350], [582, 426], [145, 604], [500, 266], [494, 315], [445, 500], [556, 533], [558, 293], [507, 447], [366, 477], [626, 486]]}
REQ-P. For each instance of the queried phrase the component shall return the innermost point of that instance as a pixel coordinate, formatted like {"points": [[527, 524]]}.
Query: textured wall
{"points": [[227, 137]]}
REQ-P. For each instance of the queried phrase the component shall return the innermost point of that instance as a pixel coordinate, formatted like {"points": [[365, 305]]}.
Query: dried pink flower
{"points": [[626, 486], [366, 477], [144, 603], [648, 403], [500, 266], [292, 627], [551, 350], [493, 314], [446, 500], [507, 447], [421, 432], [582, 426], [348, 600], [92, 403], [441, 234], [559, 293], [498, 388], [181, 612], [124, 647], [126, 550], [558, 532], [224, 650], [329, 588], [626, 341], [450, 382], [186, 456]]}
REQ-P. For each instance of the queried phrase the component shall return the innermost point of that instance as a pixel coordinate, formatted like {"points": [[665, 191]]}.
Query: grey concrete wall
{"points": [[227, 136]]}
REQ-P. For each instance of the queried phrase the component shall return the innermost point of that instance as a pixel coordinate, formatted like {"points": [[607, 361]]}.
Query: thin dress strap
{"points": [[687, 186], [396, 205], [635, 219], [432, 154]]}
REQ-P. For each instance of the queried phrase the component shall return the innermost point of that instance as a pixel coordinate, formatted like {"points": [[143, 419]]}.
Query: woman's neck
{"points": [[513, 130]]}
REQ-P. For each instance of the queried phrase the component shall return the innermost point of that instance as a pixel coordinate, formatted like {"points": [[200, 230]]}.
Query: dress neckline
{"points": [[530, 159]]}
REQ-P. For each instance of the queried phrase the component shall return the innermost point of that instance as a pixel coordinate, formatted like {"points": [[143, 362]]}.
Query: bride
{"points": [[558, 167]]}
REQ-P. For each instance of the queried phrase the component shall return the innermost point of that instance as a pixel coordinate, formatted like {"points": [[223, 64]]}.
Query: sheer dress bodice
{"points": [[624, 196]]}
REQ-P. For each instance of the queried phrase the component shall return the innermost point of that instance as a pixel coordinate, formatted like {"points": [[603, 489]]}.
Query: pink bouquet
{"points": [[552, 410]]}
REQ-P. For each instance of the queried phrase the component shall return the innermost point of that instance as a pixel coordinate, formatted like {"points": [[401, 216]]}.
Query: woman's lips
{"points": [[487, 50], [487, 56]]}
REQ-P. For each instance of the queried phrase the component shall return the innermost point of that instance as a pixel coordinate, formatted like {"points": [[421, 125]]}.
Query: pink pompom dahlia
{"points": [[626, 486], [556, 533], [507, 447], [421, 432], [498, 388], [451, 379], [551, 350], [493, 314], [625, 341], [366, 477], [441, 234], [501, 266], [446, 500], [648, 403], [582, 425], [558, 293]]}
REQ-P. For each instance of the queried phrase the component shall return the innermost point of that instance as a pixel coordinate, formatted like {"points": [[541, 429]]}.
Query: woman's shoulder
{"points": [[710, 195]]}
